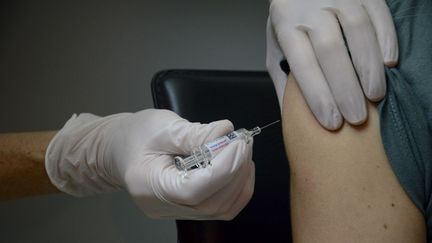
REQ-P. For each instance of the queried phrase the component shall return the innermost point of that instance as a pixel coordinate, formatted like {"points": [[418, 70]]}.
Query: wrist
{"points": [[75, 159]]}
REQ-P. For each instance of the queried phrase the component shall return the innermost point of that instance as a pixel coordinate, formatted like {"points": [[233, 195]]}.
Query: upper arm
{"points": [[342, 186]]}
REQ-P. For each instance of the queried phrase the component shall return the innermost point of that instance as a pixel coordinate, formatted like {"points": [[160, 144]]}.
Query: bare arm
{"points": [[342, 186], [22, 167]]}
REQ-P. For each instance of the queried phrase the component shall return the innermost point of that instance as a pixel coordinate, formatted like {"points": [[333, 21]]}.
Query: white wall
{"points": [[64, 57]]}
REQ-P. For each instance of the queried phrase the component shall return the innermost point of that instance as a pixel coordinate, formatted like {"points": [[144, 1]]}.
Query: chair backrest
{"points": [[247, 99]]}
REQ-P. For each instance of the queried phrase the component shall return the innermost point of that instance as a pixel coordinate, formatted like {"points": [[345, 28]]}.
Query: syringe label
{"points": [[217, 145]]}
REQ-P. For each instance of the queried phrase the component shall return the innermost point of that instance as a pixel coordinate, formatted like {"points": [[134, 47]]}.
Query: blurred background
{"points": [[63, 57]]}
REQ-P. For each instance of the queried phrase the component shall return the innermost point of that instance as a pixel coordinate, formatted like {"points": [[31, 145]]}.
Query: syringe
{"points": [[202, 155]]}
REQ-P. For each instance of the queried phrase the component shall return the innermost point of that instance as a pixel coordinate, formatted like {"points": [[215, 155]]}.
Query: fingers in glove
{"points": [[365, 50], [220, 206], [200, 184], [274, 56], [310, 78], [242, 199], [223, 207], [188, 136], [336, 64], [229, 200], [382, 20], [171, 134]]}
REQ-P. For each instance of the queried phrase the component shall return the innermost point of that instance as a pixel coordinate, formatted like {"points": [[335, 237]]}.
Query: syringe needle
{"points": [[267, 125], [202, 155]]}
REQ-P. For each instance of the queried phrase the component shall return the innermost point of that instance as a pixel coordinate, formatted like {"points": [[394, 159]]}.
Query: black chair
{"points": [[247, 99]]}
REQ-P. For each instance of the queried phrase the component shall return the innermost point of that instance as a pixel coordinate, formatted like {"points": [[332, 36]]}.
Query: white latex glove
{"points": [[308, 34], [92, 154]]}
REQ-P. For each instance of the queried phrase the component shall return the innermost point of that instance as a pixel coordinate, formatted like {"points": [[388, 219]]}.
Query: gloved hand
{"points": [[308, 33], [92, 154]]}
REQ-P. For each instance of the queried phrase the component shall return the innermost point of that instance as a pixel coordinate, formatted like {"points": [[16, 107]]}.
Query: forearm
{"points": [[22, 167]]}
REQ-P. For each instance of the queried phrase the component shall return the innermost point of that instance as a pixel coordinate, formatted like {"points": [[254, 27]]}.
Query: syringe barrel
{"points": [[201, 156]]}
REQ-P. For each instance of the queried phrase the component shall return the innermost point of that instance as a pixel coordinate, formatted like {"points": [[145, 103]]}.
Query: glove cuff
{"points": [[71, 160]]}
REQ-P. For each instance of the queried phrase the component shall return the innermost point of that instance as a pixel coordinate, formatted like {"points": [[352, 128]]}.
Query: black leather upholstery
{"points": [[247, 99]]}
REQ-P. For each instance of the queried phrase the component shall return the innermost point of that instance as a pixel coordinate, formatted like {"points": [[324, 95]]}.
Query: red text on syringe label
{"points": [[217, 145]]}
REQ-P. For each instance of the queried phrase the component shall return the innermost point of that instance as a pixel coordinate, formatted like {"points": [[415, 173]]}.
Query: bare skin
{"points": [[342, 186], [22, 166]]}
